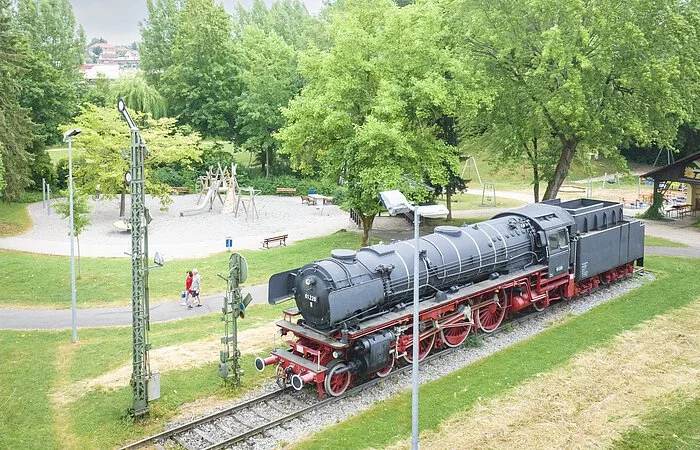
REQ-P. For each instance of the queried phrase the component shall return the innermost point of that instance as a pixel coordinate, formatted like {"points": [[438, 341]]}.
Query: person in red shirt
{"points": [[188, 284]]}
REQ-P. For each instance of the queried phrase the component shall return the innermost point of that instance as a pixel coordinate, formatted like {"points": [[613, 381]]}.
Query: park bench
{"points": [[282, 239], [286, 191], [179, 190], [305, 199]]}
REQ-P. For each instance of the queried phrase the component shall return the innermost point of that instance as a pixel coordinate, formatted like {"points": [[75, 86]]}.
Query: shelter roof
{"points": [[685, 170]]}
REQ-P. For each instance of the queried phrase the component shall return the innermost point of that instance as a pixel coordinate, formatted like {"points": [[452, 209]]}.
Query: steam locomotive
{"points": [[353, 315]]}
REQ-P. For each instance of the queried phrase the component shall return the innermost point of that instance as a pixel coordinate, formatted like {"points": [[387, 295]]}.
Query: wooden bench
{"points": [[179, 190], [282, 239], [286, 191], [305, 199]]}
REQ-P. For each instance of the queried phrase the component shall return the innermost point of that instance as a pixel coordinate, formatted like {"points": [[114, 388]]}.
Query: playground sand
{"points": [[192, 236]]}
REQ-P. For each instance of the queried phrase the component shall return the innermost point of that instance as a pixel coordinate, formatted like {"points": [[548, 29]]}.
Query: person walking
{"points": [[188, 285], [195, 287]]}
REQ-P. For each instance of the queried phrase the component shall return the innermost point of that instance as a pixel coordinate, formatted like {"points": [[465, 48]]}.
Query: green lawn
{"points": [[99, 419], [653, 241], [14, 219], [59, 153], [462, 202], [675, 425], [107, 281], [677, 285]]}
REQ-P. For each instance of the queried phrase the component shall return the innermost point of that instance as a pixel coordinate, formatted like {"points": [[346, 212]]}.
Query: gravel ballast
{"points": [[347, 407]]}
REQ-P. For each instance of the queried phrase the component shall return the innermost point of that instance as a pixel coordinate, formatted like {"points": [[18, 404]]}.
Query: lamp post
{"points": [[395, 202], [68, 137]]}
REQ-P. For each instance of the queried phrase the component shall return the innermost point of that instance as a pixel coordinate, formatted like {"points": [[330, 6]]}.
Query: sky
{"points": [[118, 21]]}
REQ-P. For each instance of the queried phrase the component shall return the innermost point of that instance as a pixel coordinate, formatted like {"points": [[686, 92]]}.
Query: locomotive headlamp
{"points": [[336, 354], [309, 281]]}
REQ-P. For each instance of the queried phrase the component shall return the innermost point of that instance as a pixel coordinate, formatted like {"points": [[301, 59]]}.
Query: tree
{"points": [[202, 85], [139, 95], [370, 110], [50, 86], [104, 137], [158, 37], [269, 76], [81, 216], [16, 127], [596, 73]]}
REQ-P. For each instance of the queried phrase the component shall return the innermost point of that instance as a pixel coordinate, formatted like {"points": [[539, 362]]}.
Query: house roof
{"points": [[685, 170]]}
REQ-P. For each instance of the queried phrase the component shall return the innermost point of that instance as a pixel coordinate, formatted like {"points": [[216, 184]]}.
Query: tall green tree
{"points": [[157, 38], [202, 84], [270, 78], [50, 86], [595, 73], [105, 135], [16, 126], [371, 108]]}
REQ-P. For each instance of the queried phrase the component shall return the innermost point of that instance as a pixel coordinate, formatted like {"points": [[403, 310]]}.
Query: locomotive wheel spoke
{"points": [[424, 347], [389, 367], [538, 305], [488, 318], [455, 336], [336, 383]]}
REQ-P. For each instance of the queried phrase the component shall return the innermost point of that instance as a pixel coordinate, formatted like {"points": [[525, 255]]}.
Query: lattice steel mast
{"points": [[139, 267], [233, 308]]}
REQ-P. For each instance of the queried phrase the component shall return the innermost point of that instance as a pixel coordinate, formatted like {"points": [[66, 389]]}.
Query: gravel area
{"points": [[343, 409], [194, 235]]}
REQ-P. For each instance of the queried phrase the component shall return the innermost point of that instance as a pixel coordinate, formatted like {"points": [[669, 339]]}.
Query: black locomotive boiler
{"points": [[353, 310]]}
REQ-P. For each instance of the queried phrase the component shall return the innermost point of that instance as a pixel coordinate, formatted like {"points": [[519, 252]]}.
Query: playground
{"points": [[176, 236]]}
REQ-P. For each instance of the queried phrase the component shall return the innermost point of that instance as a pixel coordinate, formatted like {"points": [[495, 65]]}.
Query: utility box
{"points": [[153, 386]]}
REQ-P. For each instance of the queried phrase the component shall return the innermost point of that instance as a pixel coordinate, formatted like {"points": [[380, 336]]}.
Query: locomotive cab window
{"points": [[563, 239], [553, 242]]}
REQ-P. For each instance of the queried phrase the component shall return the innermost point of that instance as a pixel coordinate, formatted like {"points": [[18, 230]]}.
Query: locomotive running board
{"points": [[311, 334], [468, 291]]}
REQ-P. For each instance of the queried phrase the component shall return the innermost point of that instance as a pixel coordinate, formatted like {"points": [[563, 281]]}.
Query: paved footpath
{"points": [[50, 319]]}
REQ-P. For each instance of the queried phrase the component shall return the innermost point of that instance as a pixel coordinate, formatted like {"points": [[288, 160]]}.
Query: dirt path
{"points": [[61, 422], [592, 400], [167, 359]]}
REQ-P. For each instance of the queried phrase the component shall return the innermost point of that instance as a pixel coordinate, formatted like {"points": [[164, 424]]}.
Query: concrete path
{"points": [[49, 319]]}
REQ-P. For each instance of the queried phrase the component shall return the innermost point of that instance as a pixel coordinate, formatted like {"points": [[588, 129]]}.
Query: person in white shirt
{"points": [[194, 289]]}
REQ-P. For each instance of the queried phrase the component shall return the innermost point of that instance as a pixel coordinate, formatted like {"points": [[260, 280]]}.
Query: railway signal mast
{"points": [[234, 307], [145, 384]]}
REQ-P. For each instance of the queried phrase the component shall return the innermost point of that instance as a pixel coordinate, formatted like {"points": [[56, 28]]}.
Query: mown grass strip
{"points": [[14, 219], [676, 424], [676, 286], [653, 241], [45, 280]]}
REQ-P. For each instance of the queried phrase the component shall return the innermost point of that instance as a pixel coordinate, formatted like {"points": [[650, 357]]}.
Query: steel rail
{"points": [[190, 425]]}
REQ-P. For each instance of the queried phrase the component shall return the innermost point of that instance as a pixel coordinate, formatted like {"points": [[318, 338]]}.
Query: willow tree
{"points": [[139, 95], [593, 73]]}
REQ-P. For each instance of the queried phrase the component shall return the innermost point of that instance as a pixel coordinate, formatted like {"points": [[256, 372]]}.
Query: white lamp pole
{"points": [[68, 136], [395, 202], [416, 329]]}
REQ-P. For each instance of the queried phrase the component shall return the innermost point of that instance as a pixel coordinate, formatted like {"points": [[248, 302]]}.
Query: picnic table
{"points": [[316, 198]]}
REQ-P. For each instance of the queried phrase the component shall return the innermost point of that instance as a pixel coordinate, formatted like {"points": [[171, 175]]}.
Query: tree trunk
{"points": [[565, 159], [449, 202], [533, 155], [367, 222], [122, 202], [267, 163]]}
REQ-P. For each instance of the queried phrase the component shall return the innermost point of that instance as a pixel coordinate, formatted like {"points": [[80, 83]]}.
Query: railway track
{"points": [[253, 417]]}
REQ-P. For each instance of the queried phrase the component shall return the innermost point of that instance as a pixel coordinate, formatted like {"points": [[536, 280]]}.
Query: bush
{"points": [[176, 176]]}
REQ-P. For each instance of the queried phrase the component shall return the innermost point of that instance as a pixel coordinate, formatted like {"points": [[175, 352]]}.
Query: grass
{"points": [[107, 281], [14, 219], [669, 426], [37, 362], [676, 285], [461, 202], [653, 241], [59, 153]]}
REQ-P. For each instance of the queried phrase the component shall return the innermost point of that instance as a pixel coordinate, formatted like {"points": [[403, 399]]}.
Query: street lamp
{"points": [[395, 202], [68, 137]]}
